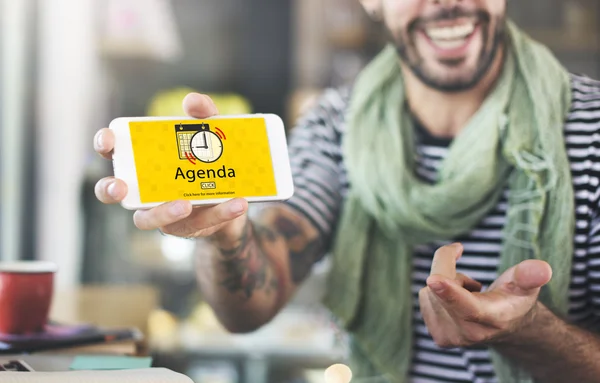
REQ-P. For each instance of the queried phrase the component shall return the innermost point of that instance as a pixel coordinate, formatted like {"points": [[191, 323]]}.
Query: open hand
{"points": [[458, 314], [177, 218]]}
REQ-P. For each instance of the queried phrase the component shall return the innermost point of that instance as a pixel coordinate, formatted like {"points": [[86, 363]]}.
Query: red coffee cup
{"points": [[25, 296]]}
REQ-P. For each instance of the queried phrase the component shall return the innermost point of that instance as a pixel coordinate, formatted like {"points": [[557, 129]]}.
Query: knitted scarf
{"points": [[515, 139]]}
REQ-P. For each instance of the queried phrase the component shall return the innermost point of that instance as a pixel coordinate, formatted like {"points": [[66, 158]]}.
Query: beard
{"points": [[409, 54]]}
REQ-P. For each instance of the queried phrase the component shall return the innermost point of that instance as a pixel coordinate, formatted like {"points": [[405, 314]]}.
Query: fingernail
{"points": [[437, 287], [99, 142], [236, 207], [177, 209], [112, 190]]}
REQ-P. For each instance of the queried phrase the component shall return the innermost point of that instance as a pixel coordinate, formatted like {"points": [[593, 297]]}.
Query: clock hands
{"points": [[205, 145], [209, 150]]}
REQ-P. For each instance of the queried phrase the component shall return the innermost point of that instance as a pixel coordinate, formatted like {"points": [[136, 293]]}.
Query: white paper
{"points": [[149, 375]]}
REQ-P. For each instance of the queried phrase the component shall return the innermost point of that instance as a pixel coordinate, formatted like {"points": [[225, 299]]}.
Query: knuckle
{"points": [[221, 214]]}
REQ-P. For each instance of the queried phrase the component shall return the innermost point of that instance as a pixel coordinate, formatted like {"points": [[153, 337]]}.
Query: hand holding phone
{"points": [[210, 159]]}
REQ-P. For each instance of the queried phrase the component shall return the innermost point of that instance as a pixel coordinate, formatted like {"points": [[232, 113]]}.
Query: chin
{"points": [[456, 74], [450, 83], [452, 55]]}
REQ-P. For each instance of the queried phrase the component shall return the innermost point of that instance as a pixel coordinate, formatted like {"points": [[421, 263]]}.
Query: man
{"points": [[463, 136]]}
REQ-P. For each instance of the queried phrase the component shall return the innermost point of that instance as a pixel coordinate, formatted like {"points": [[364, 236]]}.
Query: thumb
{"points": [[199, 106], [529, 276]]}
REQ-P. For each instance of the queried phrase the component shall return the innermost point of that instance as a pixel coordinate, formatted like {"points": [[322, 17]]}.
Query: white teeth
{"points": [[450, 33], [449, 44]]}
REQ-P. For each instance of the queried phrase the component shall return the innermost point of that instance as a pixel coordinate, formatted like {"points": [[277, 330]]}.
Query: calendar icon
{"points": [[184, 134]]}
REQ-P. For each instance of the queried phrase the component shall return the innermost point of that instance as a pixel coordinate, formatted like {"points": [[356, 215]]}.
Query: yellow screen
{"points": [[202, 159]]}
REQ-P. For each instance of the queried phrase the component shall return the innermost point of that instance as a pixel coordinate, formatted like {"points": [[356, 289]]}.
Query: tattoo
{"points": [[243, 243], [273, 286], [302, 253], [263, 232], [246, 267]]}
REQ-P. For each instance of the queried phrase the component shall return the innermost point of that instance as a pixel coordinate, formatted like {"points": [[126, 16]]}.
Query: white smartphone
{"points": [[206, 161]]}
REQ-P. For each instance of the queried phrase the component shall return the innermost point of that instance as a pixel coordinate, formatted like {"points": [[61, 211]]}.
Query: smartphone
{"points": [[206, 161]]}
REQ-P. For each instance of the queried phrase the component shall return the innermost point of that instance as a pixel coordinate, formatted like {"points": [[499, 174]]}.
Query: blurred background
{"points": [[67, 68]]}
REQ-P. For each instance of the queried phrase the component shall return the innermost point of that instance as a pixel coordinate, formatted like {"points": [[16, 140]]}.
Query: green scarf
{"points": [[515, 139]]}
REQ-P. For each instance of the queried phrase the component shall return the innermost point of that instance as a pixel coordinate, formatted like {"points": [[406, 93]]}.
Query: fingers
{"points": [[104, 143], [455, 299], [162, 215], [444, 260], [468, 283], [529, 276], [180, 219], [524, 279], [199, 106], [462, 280], [110, 190], [202, 220]]}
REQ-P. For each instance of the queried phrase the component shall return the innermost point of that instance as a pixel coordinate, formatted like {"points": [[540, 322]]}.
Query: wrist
{"points": [[526, 329], [233, 235]]}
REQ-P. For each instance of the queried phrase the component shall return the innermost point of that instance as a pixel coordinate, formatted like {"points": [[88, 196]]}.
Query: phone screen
{"points": [[201, 160]]}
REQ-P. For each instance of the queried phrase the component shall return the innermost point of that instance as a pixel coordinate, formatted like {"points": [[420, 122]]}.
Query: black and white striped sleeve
{"points": [[583, 140], [315, 156]]}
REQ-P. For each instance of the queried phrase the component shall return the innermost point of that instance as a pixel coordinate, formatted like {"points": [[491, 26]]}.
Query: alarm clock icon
{"points": [[206, 146]]}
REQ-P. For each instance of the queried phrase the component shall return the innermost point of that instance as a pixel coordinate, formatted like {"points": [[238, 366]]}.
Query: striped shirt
{"points": [[321, 185]]}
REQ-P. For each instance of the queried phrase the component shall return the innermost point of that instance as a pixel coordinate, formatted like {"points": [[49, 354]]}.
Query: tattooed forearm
{"points": [[246, 268], [249, 276], [303, 252]]}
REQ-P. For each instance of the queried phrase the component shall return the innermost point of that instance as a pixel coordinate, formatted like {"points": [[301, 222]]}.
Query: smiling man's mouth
{"points": [[453, 48], [450, 36]]}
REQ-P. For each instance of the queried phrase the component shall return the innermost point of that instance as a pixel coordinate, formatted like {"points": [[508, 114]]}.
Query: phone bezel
{"points": [[125, 170]]}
